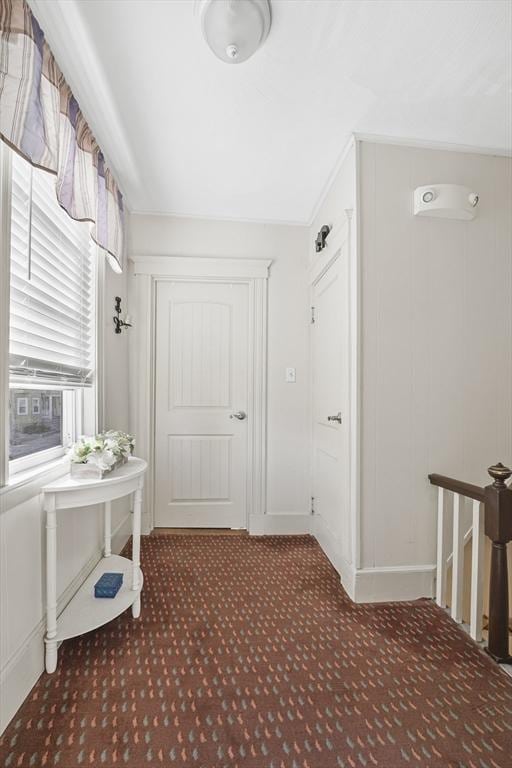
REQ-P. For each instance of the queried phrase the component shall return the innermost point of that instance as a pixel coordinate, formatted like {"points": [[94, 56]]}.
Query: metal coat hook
{"points": [[120, 324]]}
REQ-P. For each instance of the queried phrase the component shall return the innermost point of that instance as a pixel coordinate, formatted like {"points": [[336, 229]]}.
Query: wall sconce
{"points": [[446, 201], [118, 322], [321, 238]]}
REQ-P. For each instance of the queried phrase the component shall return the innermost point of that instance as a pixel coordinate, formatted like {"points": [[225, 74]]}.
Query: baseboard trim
{"points": [[374, 585], [20, 674], [279, 524], [394, 583], [23, 669], [331, 547]]}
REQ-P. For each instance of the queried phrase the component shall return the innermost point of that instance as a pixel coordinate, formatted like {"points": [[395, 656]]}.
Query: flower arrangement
{"points": [[96, 456]]}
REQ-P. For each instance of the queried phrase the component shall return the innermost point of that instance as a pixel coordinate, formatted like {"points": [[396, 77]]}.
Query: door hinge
{"points": [[312, 315], [312, 505]]}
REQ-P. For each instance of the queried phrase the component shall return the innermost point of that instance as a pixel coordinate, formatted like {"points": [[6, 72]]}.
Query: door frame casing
{"points": [[145, 273]]}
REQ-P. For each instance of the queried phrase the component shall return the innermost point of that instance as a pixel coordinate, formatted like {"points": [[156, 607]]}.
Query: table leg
{"points": [[108, 530], [137, 507], [51, 586]]}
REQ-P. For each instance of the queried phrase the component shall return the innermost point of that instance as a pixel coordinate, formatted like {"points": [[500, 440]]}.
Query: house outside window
{"points": [[34, 429]]}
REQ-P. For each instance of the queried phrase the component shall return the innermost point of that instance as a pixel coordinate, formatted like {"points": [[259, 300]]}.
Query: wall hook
{"points": [[321, 238], [118, 323]]}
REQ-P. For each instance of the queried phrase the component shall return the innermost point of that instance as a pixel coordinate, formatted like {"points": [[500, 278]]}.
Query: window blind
{"points": [[51, 304]]}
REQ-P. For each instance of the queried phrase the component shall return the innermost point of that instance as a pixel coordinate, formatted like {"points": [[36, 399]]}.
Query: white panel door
{"points": [[201, 382], [329, 405]]}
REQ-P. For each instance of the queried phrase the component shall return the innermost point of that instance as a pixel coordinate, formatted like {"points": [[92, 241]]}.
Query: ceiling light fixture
{"points": [[235, 29]]}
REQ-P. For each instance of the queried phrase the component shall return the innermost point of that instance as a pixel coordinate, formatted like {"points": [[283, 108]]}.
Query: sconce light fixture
{"points": [[321, 238], [446, 201], [118, 322]]}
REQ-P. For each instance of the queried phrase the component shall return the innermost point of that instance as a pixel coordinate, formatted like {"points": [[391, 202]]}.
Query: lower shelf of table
{"points": [[85, 612]]}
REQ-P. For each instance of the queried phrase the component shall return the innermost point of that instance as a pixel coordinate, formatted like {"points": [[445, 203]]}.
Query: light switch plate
{"points": [[290, 376]]}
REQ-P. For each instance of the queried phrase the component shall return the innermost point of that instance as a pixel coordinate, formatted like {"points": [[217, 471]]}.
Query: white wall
{"points": [[436, 342], [288, 425], [22, 539]]}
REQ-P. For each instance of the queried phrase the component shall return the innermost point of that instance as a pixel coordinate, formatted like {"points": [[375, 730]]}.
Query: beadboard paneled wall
{"points": [[436, 342]]}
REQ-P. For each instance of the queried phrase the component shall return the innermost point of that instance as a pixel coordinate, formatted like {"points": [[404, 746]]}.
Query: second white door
{"points": [[201, 397], [330, 410]]}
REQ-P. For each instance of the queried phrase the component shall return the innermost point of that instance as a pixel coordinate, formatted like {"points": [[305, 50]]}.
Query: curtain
{"points": [[41, 119]]}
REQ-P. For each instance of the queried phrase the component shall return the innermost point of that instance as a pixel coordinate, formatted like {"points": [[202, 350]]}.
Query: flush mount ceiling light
{"points": [[235, 29]]}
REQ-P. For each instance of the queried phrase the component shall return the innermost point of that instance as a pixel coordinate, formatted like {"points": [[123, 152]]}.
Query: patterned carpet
{"points": [[248, 654]]}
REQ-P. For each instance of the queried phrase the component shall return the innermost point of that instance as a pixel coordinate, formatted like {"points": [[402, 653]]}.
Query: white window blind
{"points": [[51, 306]]}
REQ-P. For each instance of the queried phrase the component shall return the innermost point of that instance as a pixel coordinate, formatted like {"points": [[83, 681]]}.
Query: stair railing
{"points": [[492, 516]]}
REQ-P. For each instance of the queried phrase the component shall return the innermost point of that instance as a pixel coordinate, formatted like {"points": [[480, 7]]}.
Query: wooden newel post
{"points": [[498, 527]]}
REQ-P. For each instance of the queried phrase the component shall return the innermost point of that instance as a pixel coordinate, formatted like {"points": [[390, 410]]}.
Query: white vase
{"points": [[85, 471]]}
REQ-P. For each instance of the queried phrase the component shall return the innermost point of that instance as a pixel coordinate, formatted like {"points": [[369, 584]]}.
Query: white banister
{"points": [[441, 552], [491, 518], [477, 572], [458, 561], [455, 560]]}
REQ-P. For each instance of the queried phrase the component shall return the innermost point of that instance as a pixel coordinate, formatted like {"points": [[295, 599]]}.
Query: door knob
{"points": [[335, 418], [240, 415]]}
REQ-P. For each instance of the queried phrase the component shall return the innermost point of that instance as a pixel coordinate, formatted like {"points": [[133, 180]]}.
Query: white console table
{"points": [[85, 612]]}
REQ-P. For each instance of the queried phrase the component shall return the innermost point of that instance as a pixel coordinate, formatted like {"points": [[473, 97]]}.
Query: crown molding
{"points": [[330, 178], [231, 219], [445, 146], [70, 42]]}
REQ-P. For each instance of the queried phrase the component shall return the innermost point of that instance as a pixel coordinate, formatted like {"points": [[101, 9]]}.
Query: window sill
{"points": [[25, 485]]}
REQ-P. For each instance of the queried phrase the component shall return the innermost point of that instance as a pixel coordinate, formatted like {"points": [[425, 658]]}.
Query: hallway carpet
{"points": [[249, 654]]}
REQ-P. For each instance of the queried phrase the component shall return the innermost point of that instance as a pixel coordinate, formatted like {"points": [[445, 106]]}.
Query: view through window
{"points": [[35, 421]]}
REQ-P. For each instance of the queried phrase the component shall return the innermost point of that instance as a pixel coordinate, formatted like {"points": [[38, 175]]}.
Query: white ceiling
{"points": [[188, 134]]}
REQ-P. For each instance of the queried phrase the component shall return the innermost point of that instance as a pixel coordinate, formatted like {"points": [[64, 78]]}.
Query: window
{"points": [[51, 319]]}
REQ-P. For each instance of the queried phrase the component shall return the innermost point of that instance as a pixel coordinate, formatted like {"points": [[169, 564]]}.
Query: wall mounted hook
{"points": [[118, 323]]}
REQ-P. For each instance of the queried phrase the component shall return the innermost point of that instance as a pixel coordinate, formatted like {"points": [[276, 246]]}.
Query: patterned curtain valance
{"points": [[41, 119]]}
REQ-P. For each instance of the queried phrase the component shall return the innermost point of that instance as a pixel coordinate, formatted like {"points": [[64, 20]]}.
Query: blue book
{"points": [[108, 585]]}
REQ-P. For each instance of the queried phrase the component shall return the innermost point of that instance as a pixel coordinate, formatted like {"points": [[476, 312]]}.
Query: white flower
{"points": [[103, 459], [103, 450]]}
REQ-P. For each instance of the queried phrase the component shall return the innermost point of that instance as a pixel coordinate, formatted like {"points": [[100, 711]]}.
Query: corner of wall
{"points": [[332, 550], [386, 585]]}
